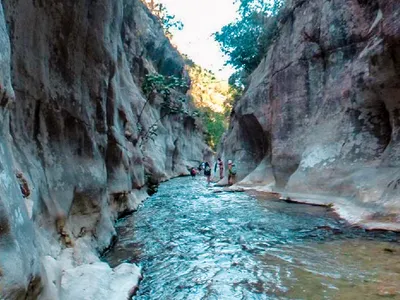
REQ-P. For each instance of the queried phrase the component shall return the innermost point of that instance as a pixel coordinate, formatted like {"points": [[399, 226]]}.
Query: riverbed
{"points": [[195, 243]]}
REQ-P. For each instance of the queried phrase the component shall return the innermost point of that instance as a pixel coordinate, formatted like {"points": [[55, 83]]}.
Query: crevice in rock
{"points": [[3, 98], [34, 288], [152, 184], [120, 204], [4, 227], [113, 241], [83, 217], [394, 52], [175, 155], [284, 168], [36, 121], [282, 69], [384, 130], [254, 139]]}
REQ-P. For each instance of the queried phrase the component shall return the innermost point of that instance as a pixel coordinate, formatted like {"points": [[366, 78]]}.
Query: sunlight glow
{"points": [[201, 18]]}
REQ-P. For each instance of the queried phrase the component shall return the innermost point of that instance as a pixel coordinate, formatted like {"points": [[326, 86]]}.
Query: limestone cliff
{"points": [[72, 156], [320, 118]]}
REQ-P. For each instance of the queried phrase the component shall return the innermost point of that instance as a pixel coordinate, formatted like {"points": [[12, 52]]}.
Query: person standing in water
{"points": [[207, 172], [193, 172], [220, 165]]}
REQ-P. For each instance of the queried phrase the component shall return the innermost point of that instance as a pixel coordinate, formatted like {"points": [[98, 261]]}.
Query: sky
{"points": [[201, 18]]}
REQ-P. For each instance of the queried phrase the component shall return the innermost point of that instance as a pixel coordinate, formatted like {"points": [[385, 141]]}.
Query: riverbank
{"points": [[77, 271], [364, 215]]}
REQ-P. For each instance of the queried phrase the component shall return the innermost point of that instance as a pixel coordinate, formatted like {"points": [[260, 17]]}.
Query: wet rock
{"points": [[389, 250], [334, 230], [387, 291], [320, 114], [152, 184], [234, 189], [99, 281]]}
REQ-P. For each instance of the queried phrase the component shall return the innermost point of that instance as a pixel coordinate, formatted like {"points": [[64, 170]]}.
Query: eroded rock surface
{"points": [[72, 158], [321, 114]]}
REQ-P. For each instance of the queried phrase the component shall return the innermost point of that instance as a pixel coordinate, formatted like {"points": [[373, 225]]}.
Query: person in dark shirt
{"points": [[207, 172]]}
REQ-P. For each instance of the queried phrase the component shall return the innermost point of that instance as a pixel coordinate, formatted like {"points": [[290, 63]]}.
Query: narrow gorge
{"points": [[96, 112]]}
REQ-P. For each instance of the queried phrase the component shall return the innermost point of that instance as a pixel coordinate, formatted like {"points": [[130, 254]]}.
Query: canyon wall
{"points": [[73, 157], [320, 118]]}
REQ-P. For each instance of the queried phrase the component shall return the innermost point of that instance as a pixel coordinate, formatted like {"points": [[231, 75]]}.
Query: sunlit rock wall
{"points": [[71, 158], [321, 114]]}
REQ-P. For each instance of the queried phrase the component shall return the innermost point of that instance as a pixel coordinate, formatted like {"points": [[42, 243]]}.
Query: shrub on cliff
{"points": [[157, 84], [167, 20]]}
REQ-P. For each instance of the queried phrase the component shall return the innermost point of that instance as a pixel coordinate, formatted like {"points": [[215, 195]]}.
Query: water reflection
{"points": [[196, 244]]}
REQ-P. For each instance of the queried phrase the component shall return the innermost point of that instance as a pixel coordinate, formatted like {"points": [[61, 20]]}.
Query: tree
{"points": [[267, 7], [213, 99], [215, 126], [167, 20], [239, 41], [246, 40]]}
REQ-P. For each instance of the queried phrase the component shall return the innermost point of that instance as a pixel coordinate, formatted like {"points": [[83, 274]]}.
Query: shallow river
{"points": [[193, 243]]}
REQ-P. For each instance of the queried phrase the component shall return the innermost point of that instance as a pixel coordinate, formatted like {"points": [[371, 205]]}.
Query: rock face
{"points": [[321, 114], [71, 135]]}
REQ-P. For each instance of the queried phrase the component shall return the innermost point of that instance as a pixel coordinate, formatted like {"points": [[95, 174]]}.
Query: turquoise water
{"points": [[193, 243]]}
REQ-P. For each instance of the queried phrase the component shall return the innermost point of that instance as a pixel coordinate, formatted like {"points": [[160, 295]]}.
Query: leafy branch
{"points": [[246, 40], [167, 20], [162, 85]]}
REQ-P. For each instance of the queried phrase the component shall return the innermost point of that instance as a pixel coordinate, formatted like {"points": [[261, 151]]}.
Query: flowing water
{"points": [[193, 243]]}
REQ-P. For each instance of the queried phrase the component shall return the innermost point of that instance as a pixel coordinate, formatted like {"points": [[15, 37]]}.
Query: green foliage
{"points": [[236, 81], [162, 85], [167, 20], [207, 90], [246, 40], [268, 7], [169, 107], [170, 23], [235, 93], [215, 124], [214, 99], [239, 41], [174, 107], [196, 114]]}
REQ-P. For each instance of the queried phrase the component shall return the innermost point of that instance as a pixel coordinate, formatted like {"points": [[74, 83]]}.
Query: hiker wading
{"points": [[193, 172], [220, 165], [207, 172]]}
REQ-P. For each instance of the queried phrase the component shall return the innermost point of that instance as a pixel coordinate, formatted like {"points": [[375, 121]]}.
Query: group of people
{"points": [[218, 166]]}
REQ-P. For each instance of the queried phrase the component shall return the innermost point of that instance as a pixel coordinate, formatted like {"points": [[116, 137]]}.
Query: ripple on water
{"points": [[196, 244]]}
